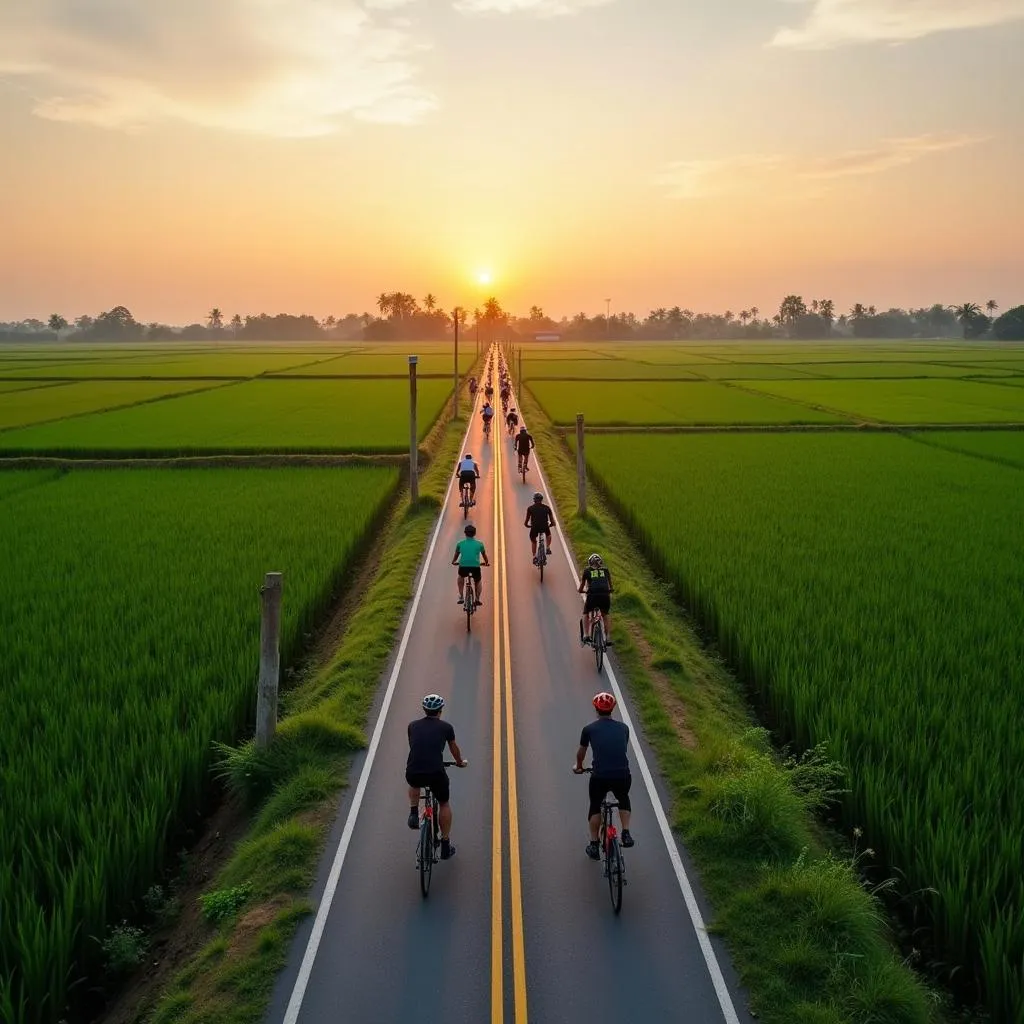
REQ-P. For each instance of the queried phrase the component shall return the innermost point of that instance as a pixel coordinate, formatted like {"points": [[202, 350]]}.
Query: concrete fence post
{"points": [[581, 467], [270, 658], [414, 452]]}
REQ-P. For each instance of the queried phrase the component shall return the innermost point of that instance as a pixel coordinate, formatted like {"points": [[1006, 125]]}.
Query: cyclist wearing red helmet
{"points": [[608, 740]]}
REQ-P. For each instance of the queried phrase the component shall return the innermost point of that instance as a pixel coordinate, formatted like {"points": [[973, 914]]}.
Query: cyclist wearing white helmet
{"points": [[524, 444], [596, 580], [425, 766], [540, 519], [469, 473]]}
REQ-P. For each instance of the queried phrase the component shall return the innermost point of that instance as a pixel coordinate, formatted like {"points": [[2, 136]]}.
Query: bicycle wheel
{"points": [[465, 502], [426, 854], [598, 635], [470, 603], [542, 558], [613, 865]]}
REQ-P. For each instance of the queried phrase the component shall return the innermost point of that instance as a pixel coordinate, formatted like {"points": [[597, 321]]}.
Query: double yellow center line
{"points": [[503, 686]]}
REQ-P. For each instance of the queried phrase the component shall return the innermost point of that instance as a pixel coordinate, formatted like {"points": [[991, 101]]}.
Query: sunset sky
{"points": [[304, 155]]}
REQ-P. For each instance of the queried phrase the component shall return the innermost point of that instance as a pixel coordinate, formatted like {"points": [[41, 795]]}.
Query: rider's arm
{"points": [[610, 587], [483, 556], [533, 444], [455, 557], [526, 521], [583, 583], [456, 753], [580, 754]]}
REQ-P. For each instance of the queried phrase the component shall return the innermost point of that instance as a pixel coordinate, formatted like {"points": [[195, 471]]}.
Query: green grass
{"points": [[666, 403], [604, 369], [268, 415], [1005, 446], [393, 364], [869, 589], [909, 401], [129, 636], [892, 368], [168, 364], [39, 405]]}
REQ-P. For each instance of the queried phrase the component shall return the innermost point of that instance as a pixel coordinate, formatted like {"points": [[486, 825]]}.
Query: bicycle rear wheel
{"points": [[426, 854], [542, 557], [470, 603], [465, 502], [598, 635], [613, 862]]}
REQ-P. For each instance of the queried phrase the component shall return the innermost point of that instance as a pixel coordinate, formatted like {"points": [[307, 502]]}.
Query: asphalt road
{"points": [[518, 926]]}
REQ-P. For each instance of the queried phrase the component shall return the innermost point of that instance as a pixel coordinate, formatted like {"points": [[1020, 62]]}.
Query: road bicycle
{"points": [[611, 853], [467, 500], [469, 602], [487, 429], [542, 555], [524, 465], [598, 641], [430, 835]]}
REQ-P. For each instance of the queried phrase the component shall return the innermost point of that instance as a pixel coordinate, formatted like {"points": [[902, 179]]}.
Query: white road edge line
{"points": [[291, 1014], [714, 970]]}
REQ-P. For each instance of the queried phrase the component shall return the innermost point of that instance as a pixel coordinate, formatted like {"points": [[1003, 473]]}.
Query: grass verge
{"points": [[809, 939], [249, 913]]}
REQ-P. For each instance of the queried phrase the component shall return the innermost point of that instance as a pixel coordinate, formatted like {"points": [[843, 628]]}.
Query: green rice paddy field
{"points": [[869, 586], [129, 639]]}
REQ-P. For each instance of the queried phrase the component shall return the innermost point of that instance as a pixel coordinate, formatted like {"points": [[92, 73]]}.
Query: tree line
{"points": [[401, 316]]}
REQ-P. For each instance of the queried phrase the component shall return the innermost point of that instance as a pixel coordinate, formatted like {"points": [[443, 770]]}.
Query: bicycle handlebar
{"points": [[454, 764], [582, 771]]}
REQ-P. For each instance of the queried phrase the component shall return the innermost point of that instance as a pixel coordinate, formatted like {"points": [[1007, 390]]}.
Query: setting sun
{"points": [[484, 277]]}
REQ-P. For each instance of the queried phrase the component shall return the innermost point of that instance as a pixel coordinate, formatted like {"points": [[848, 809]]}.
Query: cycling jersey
{"points": [[469, 550], [599, 581], [608, 739], [427, 739], [524, 443], [540, 518], [468, 466], [488, 412]]}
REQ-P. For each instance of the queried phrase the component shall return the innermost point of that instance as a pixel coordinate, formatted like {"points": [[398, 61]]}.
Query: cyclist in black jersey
{"points": [[596, 580], [512, 420], [607, 739], [425, 766], [540, 519], [524, 445]]}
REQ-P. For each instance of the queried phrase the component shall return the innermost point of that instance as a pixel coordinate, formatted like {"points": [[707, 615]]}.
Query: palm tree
{"points": [[966, 312], [57, 324], [384, 301], [429, 302], [744, 316], [857, 311], [991, 306], [754, 313], [792, 306], [236, 324], [215, 319], [827, 310]]}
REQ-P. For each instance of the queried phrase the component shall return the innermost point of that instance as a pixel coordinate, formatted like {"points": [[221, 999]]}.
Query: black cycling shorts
{"points": [[437, 781], [470, 570], [467, 477], [600, 601], [619, 789], [535, 533]]}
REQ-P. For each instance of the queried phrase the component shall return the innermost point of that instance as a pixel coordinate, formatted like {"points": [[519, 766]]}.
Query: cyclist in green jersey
{"points": [[470, 553]]}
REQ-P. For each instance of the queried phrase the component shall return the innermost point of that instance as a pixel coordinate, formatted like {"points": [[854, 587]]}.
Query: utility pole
{"points": [[608, 317], [414, 455], [270, 658], [455, 370]]}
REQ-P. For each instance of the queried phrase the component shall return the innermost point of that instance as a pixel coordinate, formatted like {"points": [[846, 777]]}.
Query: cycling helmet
{"points": [[467, 456], [602, 701], [594, 560], [434, 702], [470, 530], [537, 496], [522, 429]]}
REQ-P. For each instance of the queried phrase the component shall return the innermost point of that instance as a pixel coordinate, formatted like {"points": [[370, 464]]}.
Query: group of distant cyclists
{"points": [[606, 737]]}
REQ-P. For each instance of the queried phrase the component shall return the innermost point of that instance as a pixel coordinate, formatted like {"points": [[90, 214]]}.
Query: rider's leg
{"points": [[445, 820], [414, 797], [462, 586], [479, 580], [533, 542], [595, 826]]}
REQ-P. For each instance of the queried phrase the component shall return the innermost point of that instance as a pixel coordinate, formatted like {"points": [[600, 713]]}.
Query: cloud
{"points": [[832, 23], [275, 67], [776, 174], [544, 8]]}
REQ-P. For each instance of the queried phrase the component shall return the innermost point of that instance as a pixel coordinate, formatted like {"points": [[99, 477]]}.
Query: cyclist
{"points": [[489, 391], [512, 421], [505, 395], [425, 766], [597, 581], [524, 444], [472, 386], [540, 519], [488, 414], [469, 473], [470, 553], [608, 740]]}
